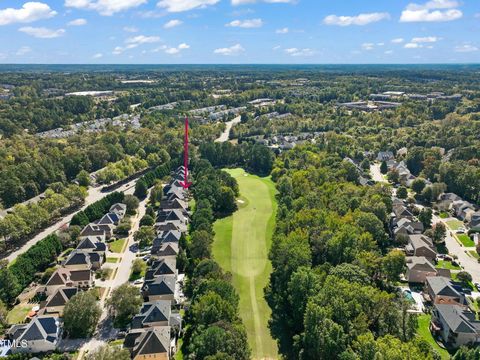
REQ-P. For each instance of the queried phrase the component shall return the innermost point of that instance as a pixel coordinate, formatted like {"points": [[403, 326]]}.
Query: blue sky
{"points": [[239, 31]]}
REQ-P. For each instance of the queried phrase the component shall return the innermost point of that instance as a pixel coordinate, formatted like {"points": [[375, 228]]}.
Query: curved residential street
{"points": [[226, 134], [94, 194]]}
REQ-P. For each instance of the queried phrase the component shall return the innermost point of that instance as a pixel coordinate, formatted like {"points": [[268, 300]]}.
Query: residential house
{"points": [[420, 268], [441, 290], [455, 324], [160, 288], [92, 230], [152, 314], [63, 277], [421, 245], [119, 209], [463, 209], [152, 344], [166, 250], [407, 227], [110, 218], [445, 200], [89, 244], [41, 335], [161, 267], [385, 156], [475, 221], [56, 302], [401, 211], [79, 260]]}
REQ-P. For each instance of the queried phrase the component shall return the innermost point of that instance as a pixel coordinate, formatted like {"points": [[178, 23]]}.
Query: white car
{"points": [[138, 282]]}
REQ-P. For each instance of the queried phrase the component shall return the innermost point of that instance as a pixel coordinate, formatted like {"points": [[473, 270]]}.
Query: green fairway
{"points": [[241, 246]]}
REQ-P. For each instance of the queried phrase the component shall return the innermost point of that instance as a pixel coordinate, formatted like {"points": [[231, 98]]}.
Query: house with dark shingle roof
{"points": [[89, 244], [92, 230], [153, 344], [156, 313], [80, 260], [119, 209], [56, 302], [111, 219], [161, 267], [166, 250], [63, 277], [455, 324], [41, 335], [160, 288]]}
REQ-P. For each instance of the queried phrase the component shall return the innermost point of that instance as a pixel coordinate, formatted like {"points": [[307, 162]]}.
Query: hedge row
{"points": [[96, 210]]}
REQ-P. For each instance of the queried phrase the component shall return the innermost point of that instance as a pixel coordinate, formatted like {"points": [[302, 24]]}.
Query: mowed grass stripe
{"points": [[241, 246]]}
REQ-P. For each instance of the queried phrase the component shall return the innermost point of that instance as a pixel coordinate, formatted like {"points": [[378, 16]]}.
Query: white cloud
{"points": [[398, 40], [130, 29], [172, 23], [284, 30], [380, 44], [368, 46], [427, 39], [172, 50], [104, 7], [230, 51], [247, 24], [184, 5], [277, 47], [97, 56], [361, 19], [42, 32], [432, 11], [411, 45], [29, 12], [142, 39], [299, 52], [465, 48], [183, 46], [388, 52], [135, 41], [77, 22], [23, 50]]}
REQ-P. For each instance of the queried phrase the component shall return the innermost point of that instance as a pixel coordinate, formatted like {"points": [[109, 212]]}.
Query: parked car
{"points": [[138, 282]]}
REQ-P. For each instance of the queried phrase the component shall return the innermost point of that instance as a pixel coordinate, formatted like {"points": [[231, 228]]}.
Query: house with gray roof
{"points": [[441, 290], [420, 268], [41, 335], [153, 343], [156, 313], [160, 288], [455, 324], [56, 302], [161, 267], [421, 245]]}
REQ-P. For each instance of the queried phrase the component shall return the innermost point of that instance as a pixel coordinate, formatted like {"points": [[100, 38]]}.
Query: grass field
{"points": [[424, 332], [443, 264], [18, 313], [117, 245], [465, 240], [241, 246], [454, 224]]}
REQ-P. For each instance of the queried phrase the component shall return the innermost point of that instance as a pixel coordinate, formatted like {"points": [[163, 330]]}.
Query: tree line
{"points": [[331, 290], [96, 210], [214, 329], [17, 276]]}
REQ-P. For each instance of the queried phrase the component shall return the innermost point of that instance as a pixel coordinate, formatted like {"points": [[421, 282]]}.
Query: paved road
{"points": [[94, 194], [226, 134], [105, 330], [468, 263]]}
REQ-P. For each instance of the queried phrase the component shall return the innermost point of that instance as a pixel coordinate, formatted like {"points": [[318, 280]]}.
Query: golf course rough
{"points": [[241, 246]]}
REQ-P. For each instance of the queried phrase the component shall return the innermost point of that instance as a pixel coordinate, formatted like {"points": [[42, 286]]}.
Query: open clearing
{"points": [[241, 246]]}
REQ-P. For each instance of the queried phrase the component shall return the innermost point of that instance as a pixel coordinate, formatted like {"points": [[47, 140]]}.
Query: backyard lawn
{"points": [[424, 333], [18, 313], [443, 264], [465, 240], [117, 245], [241, 246], [443, 215], [113, 260], [474, 254]]}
